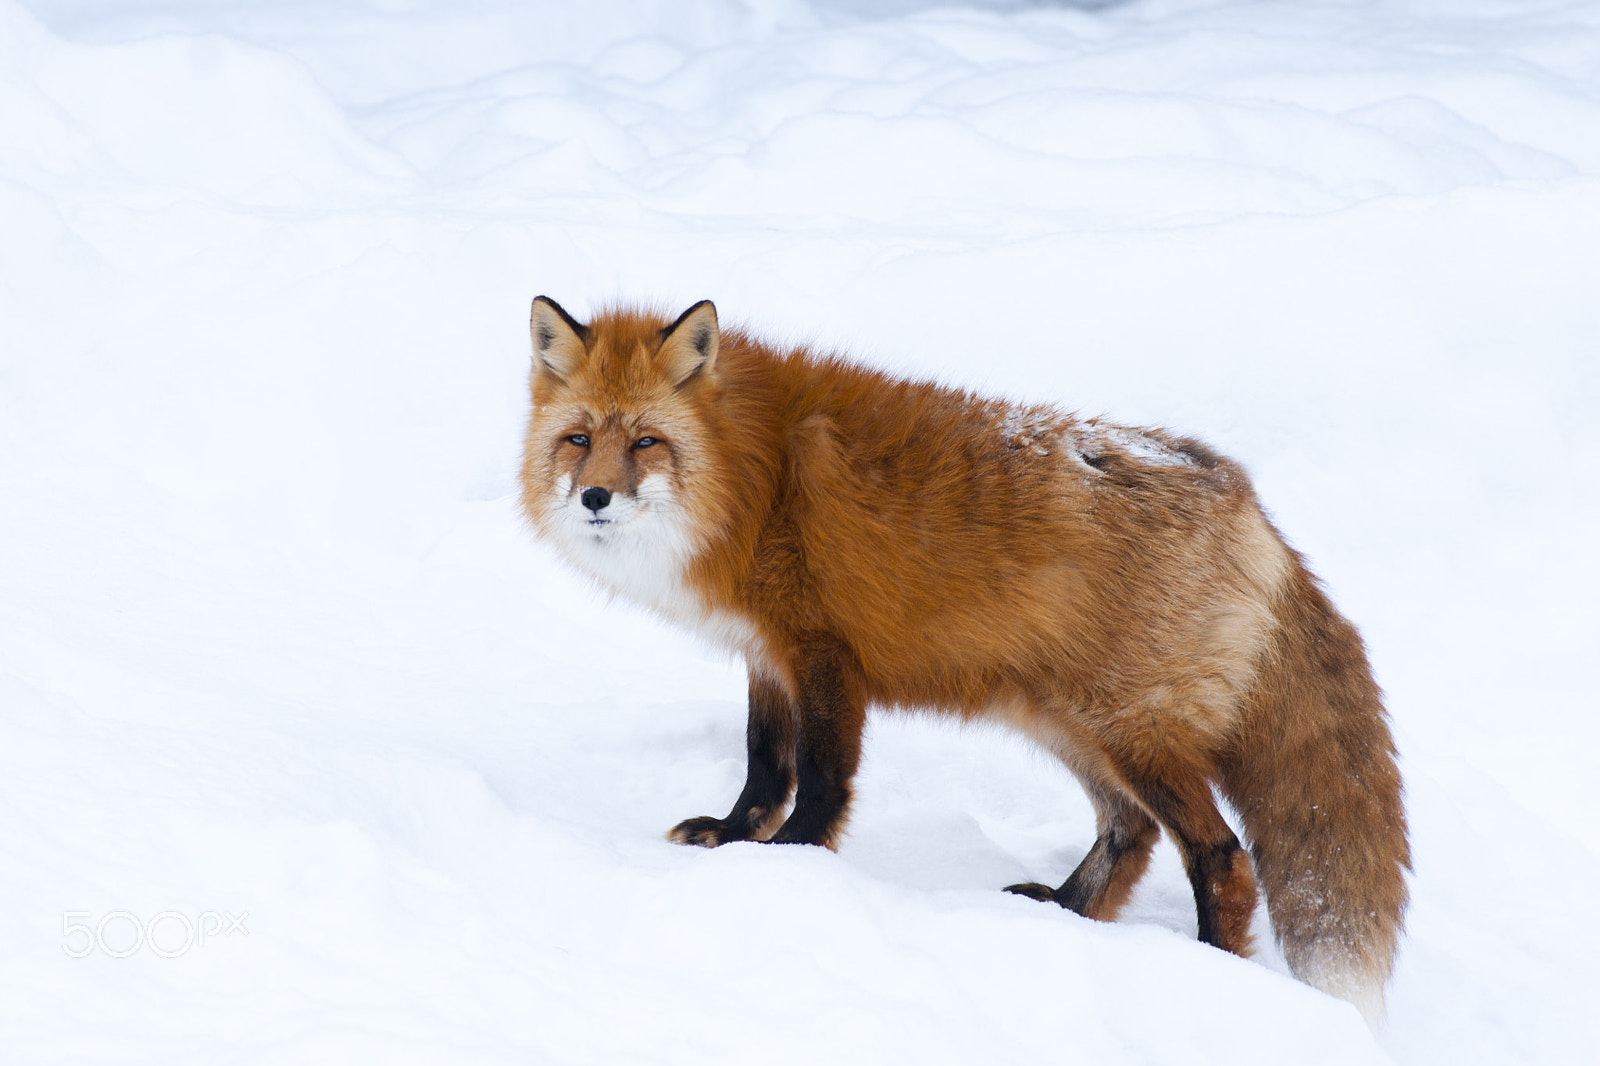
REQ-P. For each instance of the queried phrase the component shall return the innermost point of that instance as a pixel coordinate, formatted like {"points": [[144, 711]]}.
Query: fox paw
{"points": [[705, 832], [1034, 890]]}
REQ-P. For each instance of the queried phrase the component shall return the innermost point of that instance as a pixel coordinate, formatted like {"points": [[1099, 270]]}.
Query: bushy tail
{"points": [[1313, 776]]}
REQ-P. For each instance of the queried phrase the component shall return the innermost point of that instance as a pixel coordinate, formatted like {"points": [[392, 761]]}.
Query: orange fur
{"points": [[1115, 593]]}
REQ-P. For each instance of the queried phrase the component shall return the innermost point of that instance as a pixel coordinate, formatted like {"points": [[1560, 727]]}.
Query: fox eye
{"points": [[645, 442], [581, 440]]}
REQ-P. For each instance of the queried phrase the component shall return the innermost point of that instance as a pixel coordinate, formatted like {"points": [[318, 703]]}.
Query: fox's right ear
{"points": [[557, 337]]}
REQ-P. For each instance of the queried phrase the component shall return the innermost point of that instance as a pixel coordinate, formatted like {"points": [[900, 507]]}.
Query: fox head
{"points": [[618, 456]]}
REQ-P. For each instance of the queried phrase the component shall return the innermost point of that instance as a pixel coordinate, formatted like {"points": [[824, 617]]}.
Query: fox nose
{"points": [[595, 498]]}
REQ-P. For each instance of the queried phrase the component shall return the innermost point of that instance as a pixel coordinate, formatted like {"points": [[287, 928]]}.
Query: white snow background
{"points": [[275, 643]]}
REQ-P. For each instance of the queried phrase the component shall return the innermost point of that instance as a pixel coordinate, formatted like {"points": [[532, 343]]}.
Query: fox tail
{"points": [[1313, 777]]}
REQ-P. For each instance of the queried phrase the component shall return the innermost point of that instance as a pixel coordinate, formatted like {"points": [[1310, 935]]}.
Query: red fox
{"points": [[1114, 593]]}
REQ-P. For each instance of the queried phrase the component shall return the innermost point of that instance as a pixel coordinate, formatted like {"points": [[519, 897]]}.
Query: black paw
{"points": [[805, 831], [1034, 890], [706, 832]]}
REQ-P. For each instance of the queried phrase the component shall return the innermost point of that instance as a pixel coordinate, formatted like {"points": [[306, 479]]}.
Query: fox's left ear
{"points": [[689, 345]]}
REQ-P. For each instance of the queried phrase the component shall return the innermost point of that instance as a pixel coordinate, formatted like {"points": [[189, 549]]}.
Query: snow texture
{"points": [[278, 655]]}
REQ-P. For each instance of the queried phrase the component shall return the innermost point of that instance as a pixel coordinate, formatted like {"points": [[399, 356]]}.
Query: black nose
{"points": [[595, 498]]}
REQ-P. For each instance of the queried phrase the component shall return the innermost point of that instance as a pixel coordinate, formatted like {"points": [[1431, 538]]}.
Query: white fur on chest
{"points": [[645, 561]]}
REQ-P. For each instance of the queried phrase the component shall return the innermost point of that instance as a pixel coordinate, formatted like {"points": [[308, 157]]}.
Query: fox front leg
{"points": [[832, 713], [769, 779]]}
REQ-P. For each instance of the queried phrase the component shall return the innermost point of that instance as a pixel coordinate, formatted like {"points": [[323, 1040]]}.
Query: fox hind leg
{"points": [[769, 776], [1105, 878], [1219, 870], [1178, 798]]}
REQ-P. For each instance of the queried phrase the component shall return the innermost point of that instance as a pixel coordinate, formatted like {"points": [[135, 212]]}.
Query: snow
{"points": [[1142, 446], [274, 641]]}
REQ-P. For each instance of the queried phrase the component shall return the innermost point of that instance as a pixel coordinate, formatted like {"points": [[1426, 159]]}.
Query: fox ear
{"points": [[557, 337], [689, 345]]}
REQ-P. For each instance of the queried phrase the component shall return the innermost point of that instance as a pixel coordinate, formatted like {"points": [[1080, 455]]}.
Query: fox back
{"points": [[1115, 593]]}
